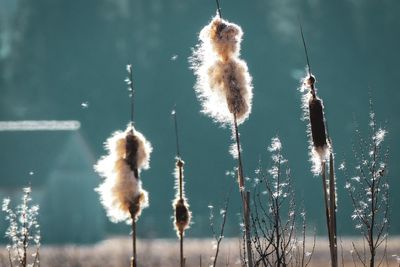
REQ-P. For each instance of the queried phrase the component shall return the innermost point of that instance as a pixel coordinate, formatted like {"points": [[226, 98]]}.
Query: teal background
{"points": [[57, 54]]}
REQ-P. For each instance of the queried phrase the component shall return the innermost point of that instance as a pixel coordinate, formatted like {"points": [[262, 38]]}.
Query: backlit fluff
{"points": [[223, 82], [182, 215], [121, 192], [314, 112]]}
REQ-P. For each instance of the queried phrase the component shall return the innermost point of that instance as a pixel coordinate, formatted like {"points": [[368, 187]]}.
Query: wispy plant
{"points": [[182, 214], [275, 216], [121, 192], [321, 152], [225, 90], [23, 231], [219, 236], [368, 188]]}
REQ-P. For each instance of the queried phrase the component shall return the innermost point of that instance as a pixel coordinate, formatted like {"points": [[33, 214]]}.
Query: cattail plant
{"points": [[23, 231], [224, 89], [121, 192], [368, 188], [182, 214], [321, 151], [275, 216]]}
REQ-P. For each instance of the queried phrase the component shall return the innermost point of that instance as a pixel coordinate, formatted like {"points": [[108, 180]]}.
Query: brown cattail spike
{"points": [[135, 209], [181, 215], [318, 132], [121, 192], [131, 147], [230, 78], [180, 204]]}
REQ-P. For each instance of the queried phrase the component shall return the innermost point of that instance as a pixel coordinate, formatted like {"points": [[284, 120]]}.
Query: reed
{"points": [[182, 214], [321, 152], [224, 88], [121, 192]]}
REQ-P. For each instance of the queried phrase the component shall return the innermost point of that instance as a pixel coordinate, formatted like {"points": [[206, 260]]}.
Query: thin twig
{"points": [[174, 114], [10, 258], [341, 250], [221, 234], [305, 48], [219, 9]]}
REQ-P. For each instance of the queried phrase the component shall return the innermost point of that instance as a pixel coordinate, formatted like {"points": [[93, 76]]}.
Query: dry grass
{"points": [[115, 252]]}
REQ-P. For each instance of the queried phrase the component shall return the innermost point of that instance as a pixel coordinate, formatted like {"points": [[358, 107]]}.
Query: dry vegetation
{"points": [[116, 252], [269, 238]]}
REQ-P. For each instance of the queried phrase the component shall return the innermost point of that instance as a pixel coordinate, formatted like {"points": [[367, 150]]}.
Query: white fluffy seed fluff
{"points": [[121, 191], [223, 83], [318, 154]]}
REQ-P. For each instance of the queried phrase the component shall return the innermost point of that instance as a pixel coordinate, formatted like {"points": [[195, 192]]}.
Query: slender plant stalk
{"points": [[24, 243], [10, 259], [219, 9], [182, 258], [245, 196], [37, 258], [221, 233], [277, 224], [303, 245], [180, 181], [332, 209], [327, 212], [131, 89], [133, 260], [181, 249]]}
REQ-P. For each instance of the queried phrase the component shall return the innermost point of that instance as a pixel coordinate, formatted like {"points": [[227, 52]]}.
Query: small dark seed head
{"points": [[182, 216], [132, 145], [181, 212], [318, 132], [309, 81], [179, 163]]}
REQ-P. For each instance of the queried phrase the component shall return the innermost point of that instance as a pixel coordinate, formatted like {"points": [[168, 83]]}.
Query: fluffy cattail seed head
{"points": [[225, 38], [230, 79], [182, 215], [223, 82], [314, 112], [121, 192]]}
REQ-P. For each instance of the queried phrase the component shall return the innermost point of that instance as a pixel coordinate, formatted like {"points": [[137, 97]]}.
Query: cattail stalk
{"points": [[327, 210], [181, 210], [180, 204], [332, 209], [133, 259], [121, 192], [225, 91], [245, 195], [321, 147]]}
